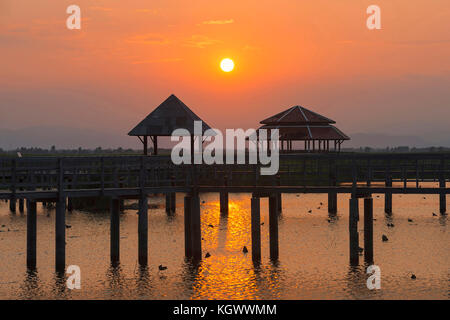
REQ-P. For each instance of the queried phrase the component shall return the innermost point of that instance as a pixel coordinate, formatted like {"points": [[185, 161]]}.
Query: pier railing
{"points": [[127, 172]]}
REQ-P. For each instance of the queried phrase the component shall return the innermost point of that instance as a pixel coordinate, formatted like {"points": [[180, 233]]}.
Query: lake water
{"points": [[313, 264]]}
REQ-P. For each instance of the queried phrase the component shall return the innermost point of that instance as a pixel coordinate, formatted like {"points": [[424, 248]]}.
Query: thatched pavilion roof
{"points": [[297, 115], [170, 115]]}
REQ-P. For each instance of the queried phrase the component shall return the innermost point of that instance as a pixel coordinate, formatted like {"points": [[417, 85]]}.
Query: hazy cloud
{"points": [[149, 38], [218, 21], [200, 41]]}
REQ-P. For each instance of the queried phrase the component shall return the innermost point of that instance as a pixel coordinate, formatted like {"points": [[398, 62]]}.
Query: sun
{"points": [[227, 65]]}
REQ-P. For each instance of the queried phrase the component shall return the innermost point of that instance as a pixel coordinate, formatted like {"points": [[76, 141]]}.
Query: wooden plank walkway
{"points": [[57, 179]]}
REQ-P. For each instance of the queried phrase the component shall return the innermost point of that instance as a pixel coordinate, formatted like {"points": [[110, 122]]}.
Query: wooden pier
{"points": [[60, 179]]}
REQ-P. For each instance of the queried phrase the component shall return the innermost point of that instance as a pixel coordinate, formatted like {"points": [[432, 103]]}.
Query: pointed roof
{"points": [[297, 115], [170, 115]]}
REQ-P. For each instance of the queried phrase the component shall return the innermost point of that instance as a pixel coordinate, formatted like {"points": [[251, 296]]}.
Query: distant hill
{"points": [[73, 138], [378, 140], [63, 137]]}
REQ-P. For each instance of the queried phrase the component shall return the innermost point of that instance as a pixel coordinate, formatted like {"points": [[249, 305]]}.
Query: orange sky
{"points": [[130, 55]]}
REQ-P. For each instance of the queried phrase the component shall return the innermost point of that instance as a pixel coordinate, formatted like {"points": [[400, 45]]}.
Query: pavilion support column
{"points": [[256, 229], [31, 235], [155, 145], [143, 230], [188, 226], [115, 232], [273, 227], [368, 229], [196, 231], [353, 231], [145, 145]]}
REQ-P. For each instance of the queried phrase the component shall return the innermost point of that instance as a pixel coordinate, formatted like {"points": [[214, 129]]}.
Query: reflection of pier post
{"points": [[368, 229], [273, 226], [353, 230], [31, 235], [256, 229]]}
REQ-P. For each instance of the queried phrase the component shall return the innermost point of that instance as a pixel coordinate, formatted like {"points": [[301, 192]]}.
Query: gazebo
{"points": [[300, 124], [170, 115]]}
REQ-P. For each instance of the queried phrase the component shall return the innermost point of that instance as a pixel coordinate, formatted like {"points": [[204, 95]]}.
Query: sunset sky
{"points": [[131, 55]]}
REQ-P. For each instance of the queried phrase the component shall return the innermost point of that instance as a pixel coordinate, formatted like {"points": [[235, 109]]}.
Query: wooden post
{"points": [[279, 204], [115, 232], [60, 222], [21, 205], [256, 229], [60, 239], [332, 196], [169, 209], [442, 196], [188, 226], [12, 203], [196, 231], [353, 230], [388, 196], [143, 230], [224, 198], [368, 229], [12, 200], [31, 235], [273, 227]]}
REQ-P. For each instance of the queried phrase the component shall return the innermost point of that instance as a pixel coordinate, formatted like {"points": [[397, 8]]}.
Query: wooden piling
{"points": [[332, 203], [187, 226], [12, 204], [60, 236], [21, 207], [31, 235], [368, 229], [115, 232], [279, 196], [196, 231], [224, 199], [170, 205], [273, 227], [388, 197], [442, 197], [353, 231], [256, 229], [143, 230]]}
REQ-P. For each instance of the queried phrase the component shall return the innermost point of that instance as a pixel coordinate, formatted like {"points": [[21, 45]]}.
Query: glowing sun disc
{"points": [[227, 65]]}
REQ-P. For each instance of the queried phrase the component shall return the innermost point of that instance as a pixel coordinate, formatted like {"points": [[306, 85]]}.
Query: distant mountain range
{"points": [[63, 137]]}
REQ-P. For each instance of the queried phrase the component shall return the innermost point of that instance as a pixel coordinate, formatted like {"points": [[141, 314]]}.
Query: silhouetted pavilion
{"points": [[170, 115], [300, 124]]}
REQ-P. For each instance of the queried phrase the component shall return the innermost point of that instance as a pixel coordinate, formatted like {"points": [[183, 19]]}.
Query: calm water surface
{"points": [[313, 260]]}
